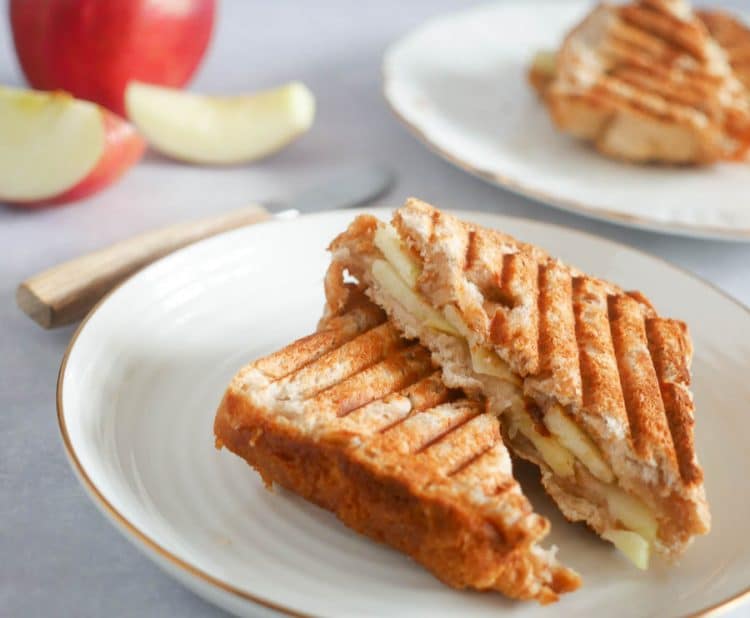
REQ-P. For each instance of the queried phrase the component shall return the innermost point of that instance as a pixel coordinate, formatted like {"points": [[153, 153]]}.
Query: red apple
{"points": [[93, 48], [56, 148]]}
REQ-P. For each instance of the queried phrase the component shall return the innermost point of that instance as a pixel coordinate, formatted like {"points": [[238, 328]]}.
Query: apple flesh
{"points": [[219, 130], [93, 48], [57, 149]]}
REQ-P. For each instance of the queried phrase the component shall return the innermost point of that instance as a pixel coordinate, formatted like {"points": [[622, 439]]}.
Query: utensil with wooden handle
{"points": [[66, 293]]}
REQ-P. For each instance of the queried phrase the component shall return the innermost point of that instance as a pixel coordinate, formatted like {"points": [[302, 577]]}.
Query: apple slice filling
{"points": [[576, 441], [563, 446], [387, 240], [560, 460], [388, 278], [633, 545]]}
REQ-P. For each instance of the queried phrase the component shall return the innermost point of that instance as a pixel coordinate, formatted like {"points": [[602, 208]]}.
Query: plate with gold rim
{"points": [[141, 381], [458, 83]]}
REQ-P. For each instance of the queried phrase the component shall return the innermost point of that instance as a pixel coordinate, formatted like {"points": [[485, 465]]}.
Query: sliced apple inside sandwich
{"points": [[588, 381]]}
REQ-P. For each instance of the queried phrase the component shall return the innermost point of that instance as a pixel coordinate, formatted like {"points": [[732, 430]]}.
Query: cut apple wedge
{"points": [[55, 148], [219, 130]]}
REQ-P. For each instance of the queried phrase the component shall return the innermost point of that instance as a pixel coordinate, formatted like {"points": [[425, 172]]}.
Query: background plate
{"points": [[459, 83], [144, 374]]}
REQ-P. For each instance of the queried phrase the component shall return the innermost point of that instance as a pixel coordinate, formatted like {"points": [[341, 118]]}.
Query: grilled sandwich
{"points": [[358, 421], [590, 383], [734, 37], [646, 82]]}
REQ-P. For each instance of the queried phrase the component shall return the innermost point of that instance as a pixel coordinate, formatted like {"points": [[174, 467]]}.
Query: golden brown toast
{"points": [[358, 421], [734, 37], [646, 82], [592, 384]]}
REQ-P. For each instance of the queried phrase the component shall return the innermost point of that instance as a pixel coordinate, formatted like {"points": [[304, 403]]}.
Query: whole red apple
{"points": [[93, 48]]}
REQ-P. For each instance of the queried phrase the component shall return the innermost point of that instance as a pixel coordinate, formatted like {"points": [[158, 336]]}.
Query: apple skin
{"points": [[123, 147], [92, 48]]}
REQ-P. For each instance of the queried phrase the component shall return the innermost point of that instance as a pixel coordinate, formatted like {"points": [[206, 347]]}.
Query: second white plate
{"points": [[140, 385], [459, 83]]}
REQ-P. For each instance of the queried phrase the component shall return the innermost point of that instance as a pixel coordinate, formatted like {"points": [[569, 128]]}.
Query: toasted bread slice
{"points": [[592, 383], [358, 421], [646, 82], [734, 37]]}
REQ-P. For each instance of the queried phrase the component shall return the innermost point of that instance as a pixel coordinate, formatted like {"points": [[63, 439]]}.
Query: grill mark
{"points": [[632, 422], [508, 276], [483, 263], [640, 387], [637, 49], [354, 356], [588, 369], [458, 470], [519, 332], [392, 426], [377, 381], [635, 101], [302, 352], [668, 350], [596, 355], [688, 80], [435, 220], [734, 37], [481, 470], [646, 45], [688, 95], [628, 44], [415, 438], [471, 250], [451, 450], [557, 345], [365, 419], [463, 420], [429, 392], [679, 34]]}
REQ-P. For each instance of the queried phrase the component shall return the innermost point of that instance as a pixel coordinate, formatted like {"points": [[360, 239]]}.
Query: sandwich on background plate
{"points": [[358, 421], [588, 381], [734, 37], [645, 81]]}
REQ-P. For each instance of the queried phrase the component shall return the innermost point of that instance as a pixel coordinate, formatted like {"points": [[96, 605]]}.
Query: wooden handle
{"points": [[67, 292]]}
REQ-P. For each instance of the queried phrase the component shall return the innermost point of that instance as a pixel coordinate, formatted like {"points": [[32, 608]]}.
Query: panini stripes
{"points": [[645, 81], [573, 330], [358, 421], [640, 387], [734, 37], [604, 355]]}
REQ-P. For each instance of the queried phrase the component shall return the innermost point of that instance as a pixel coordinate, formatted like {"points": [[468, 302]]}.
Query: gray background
{"points": [[58, 555]]}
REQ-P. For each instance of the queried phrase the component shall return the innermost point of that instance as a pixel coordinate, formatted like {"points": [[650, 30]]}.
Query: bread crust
{"points": [[646, 82], [455, 543], [616, 367], [358, 422]]}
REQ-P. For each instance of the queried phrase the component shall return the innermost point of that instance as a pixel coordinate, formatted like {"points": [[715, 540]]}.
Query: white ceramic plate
{"points": [[459, 83], [140, 384]]}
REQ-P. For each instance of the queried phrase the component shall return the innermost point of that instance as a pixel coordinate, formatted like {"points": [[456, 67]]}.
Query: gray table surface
{"points": [[58, 555]]}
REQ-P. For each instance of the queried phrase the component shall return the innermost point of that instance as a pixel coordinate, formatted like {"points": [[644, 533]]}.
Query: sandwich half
{"points": [[734, 37], [645, 81], [590, 383], [357, 420]]}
